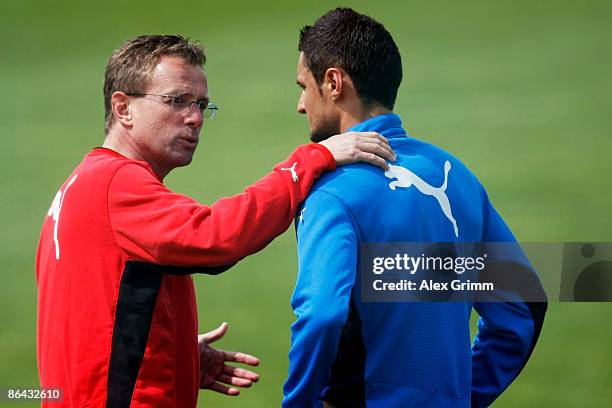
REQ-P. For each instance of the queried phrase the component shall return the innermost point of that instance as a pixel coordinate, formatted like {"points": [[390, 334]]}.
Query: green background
{"points": [[519, 91]]}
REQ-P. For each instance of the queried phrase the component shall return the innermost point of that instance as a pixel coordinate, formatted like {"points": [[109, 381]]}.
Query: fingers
{"points": [[372, 136], [373, 148], [373, 159], [233, 376], [238, 377], [239, 357], [238, 382], [368, 147], [241, 373], [377, 144], [214, 335], [381, 150], [224, 389]]}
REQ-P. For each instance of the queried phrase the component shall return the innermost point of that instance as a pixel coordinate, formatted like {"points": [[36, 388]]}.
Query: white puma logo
{"points": [[293, 173], [406, 178], [54, 212]]}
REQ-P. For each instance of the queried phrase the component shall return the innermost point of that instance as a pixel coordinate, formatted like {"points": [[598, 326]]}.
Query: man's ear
{"points": [[120, 105], [333, 82]]}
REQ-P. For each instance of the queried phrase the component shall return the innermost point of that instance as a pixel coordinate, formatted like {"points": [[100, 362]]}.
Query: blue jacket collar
{"points": [[389, 125]]}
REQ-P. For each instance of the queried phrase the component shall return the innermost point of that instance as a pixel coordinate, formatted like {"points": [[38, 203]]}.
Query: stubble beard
{"points": [[325, 130]]}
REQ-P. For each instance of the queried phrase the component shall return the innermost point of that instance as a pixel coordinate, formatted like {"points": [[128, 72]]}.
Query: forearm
{"points": [[153, 224], [327, 250], [507, 335]]}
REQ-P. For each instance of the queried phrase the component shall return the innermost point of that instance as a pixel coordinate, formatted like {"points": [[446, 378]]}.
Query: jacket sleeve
{"points": [[153, 224], [327, 252], [508, 328]]}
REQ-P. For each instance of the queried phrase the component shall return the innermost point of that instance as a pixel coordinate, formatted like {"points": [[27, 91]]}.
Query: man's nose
{"points": [[194, 117], [301, 108]]}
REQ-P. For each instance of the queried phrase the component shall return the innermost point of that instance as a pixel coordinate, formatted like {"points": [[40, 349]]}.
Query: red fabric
{"points": [[112, 210]]}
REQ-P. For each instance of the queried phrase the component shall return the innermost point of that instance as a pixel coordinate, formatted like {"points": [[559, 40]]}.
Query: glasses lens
{"points": [[180, 103]]}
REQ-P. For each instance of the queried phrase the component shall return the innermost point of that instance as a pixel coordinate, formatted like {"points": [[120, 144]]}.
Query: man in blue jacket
{"points": [[347, 352]]}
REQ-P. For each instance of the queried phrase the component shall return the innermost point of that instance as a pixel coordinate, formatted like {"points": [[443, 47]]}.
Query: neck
{"points": [[351, 117], [122, 143]]}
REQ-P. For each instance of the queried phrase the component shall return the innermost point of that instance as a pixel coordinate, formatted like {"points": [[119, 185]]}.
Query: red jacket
{"points": [[117, 317]]}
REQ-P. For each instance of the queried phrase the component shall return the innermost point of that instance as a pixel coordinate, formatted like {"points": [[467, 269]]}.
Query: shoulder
{"points": [[134, 178], [135, 170], [349, 182], [102, 161], [112, 172], [98, 170], [433, 161]]}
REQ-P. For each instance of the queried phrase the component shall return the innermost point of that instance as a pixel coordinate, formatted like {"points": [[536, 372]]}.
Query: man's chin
{"points": [[184, 159]]}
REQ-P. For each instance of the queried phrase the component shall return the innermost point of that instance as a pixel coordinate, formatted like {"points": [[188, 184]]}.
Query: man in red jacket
{"points": [[117, 317]]}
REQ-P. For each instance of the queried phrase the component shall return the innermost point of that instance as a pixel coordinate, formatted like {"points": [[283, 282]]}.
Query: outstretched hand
{"points": [[215, 374], [353, 147]]}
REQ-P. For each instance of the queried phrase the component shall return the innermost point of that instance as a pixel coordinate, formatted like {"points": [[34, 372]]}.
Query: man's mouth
{"points": [[191, 141]]}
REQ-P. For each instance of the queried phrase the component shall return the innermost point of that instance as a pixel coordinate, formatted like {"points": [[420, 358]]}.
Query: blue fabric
{"points": [[412, 353]]}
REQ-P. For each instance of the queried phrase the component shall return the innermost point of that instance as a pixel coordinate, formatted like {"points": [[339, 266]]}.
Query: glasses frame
{"points": [[210, 107]]}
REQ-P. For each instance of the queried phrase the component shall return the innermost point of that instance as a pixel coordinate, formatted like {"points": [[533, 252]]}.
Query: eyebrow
{"points": [[176, 92]]}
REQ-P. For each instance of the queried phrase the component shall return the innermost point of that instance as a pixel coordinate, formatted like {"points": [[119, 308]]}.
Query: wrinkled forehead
{"points": [[174, 76]]}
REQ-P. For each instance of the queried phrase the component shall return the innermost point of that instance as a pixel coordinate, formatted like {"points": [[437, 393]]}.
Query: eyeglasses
{"points": [[181, 104]]}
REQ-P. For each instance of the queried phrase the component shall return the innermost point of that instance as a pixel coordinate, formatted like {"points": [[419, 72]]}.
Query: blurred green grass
{"points": [[519, 91]]}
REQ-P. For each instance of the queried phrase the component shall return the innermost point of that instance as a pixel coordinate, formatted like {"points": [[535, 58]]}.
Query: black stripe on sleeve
{"points": [[181, 270], [347, 383], [138, 292], [137, 296]]}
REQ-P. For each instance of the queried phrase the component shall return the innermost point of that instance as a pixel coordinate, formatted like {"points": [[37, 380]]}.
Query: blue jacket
{"points": [[410, 354]]}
